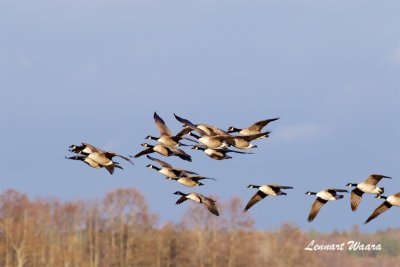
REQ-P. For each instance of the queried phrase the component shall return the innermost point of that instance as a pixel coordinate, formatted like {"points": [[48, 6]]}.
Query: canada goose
{"points": [[240, 142], [263, 191], [96, 153], [163, 150], [392, 200], [209, 129], [84, 149], [166, 137], [367, 186], [323, 197], [243, 141], [190, 181], [219, 153], [167, 169], [196, 197], [211, 141], [105, 158], [92, 163], [253, 129]]}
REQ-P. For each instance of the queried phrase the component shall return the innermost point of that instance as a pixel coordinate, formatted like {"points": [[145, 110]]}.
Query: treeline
{"points": [[120, 230]]}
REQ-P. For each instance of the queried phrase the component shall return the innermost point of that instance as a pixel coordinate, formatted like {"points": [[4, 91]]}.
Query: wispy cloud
{"points": [[301, 131], [24, 62], [394, 56]]}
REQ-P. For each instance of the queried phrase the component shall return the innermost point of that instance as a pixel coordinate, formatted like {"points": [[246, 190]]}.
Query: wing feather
{"points": [[162, 127], [355, 198], [254, 199], [315, 208], [380, 209], [261, 124]]}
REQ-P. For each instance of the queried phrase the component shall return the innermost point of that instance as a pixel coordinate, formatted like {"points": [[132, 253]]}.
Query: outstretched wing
{"points": [[248, 138], [355, 199], [125, 158], [210, 204], [198, 178], [261, 124], [316, 206], [375, 178], [335, 190], [181, 199], [280, 186], [184, 131], [110, 155], [380, 209], [185, 172], [144, 152], [190, 125], [257, 197], [162, 127], [162, 163], [227, 150]]}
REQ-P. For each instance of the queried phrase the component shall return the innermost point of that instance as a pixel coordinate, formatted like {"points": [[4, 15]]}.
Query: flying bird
{"points": [[253, 129], [190, 181], [263, 191], [367, 186], [323, 197], [198, 198], [243, 141], [168, 170], [163, 150], [95, 153], [392, 200], [218, 153], [94, 164], [211, 141], [166, 137]]}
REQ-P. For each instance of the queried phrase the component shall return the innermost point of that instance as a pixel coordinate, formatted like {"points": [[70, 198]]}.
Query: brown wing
{"points": [[162, 127], [316, 206], [110, 169], [198, 178], [110, 155], [125, 158], [184, 131], [248, 137], [162, 163], [190, 125], [185, 172], [261, 124], [210, 204], [181, 199], [227, 150], [380, 209], [335, 190], [176, 151], [355, 199], [185, 157], [144, 152], [257, 197], [215, 130], [280, 186], [374, 179]]}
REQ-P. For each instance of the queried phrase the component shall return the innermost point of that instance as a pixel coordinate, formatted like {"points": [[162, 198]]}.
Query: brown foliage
{"points": [[119, 230]]}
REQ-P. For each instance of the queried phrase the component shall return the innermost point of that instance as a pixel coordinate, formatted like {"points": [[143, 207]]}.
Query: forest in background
{"points": [[119, 230]]}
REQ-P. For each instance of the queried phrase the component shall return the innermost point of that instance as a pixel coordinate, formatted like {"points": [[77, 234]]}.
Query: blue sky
{"points": [[96, 72]]}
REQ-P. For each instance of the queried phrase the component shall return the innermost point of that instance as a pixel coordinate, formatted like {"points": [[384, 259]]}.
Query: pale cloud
{"points": [[24, 62], [394, 56], [301, 131]]}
